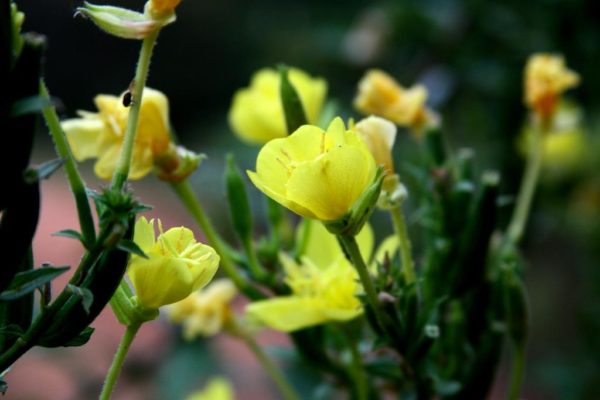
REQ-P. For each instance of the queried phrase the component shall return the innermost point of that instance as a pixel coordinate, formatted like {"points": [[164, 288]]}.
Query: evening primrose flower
{"points": [[324, 285], [546, 78], [204, 312], [314, 173], [176, 265], [256, 113], [380, 94], [100, 135]]}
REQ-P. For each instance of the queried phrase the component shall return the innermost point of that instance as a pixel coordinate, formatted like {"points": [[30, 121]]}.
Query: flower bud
{"points": [[121, 22]]}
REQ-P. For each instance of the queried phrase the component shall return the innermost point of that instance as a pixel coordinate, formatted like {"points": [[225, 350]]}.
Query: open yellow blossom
{"points": [[100, 135], [314, 173], [324, 286], [216, 389], [176, 265], [162, 8], [256, 113], [380, 94], [546, 77], [204, 312]]}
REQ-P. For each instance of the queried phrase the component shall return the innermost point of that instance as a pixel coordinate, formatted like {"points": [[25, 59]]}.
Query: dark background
{"points": [[470, 54]]}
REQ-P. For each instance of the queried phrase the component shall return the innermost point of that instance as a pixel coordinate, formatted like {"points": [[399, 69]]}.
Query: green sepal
{"points": [[131, 247], [291, 103]]}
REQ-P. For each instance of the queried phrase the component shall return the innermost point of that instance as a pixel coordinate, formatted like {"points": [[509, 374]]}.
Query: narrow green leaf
{"points": [[29, 105], [25, 282], [293, 110], [130, 247], [69, 233], [11, 331]]}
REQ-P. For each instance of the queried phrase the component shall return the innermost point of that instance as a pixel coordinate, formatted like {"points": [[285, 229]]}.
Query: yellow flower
{"points": [[380, 94], [314, 173], [256, 114], [324, 286], [204, 312], [176, 265], [546, 77], [100, 135], [216, 389], [162, 8]]}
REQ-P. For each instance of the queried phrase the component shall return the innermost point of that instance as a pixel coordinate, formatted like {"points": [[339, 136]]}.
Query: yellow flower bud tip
{"points": [[100, 135], [314, 173], [176, 265], [546, 78], [256, 114], [204, 312], [380, 94], [161, 8], [379, 134]]}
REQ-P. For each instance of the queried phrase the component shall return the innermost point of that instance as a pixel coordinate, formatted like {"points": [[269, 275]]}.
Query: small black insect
{"points": [[127, 98]]}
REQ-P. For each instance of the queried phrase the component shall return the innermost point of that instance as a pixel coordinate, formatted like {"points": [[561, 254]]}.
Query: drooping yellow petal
{"points": [[287, 313], [323, 248], [83, 136]]}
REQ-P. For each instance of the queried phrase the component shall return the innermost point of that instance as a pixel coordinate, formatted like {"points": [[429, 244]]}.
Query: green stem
{"points": [[349, 243], [304, 236], [274, 372], [186, 194], [117, 363], [527, 190], [141, 74], [75, 181], [360, 379], [253, 262], [408, 266], [518, 369]]}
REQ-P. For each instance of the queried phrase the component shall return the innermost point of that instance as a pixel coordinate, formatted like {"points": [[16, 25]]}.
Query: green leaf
{"points": [[69, 233], [29, 105], [130, 247], [80, 339], [293, 110], [86, 295], [25, 282]]}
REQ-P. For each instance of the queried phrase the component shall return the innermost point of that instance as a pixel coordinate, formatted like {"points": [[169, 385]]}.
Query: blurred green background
{"points": [[470, 54]]}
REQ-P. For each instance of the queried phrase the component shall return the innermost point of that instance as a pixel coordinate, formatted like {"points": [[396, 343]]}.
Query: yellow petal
{"points": [[329, 185], [160, 280], [83, 135], [216, 389], [107, 162], [323, 249], [287, 314], [144, 233]]}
